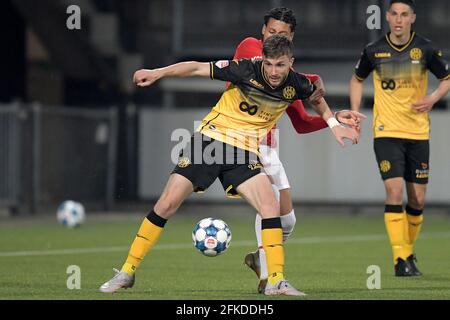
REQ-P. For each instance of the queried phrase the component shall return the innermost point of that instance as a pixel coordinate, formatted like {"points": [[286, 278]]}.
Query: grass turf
{"points": [[327, 257]]}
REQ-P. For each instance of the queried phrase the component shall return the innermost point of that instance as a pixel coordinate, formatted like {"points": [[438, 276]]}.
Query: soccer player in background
{"points": [[401, 126], [282, 21], [246, 111]]}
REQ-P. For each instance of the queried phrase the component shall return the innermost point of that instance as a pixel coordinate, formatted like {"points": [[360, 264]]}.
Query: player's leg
{"points": [[274, 169], [175, 192], [287, 214], [390, 154], [188, 176], [417, 171], [258, 192]]}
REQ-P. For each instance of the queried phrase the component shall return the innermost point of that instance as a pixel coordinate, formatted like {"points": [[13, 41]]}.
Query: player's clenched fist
{"points": [[145, 77]]}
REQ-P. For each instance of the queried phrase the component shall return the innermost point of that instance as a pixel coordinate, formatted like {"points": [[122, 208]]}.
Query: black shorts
{"points": [[405, 158], [205, 159]]}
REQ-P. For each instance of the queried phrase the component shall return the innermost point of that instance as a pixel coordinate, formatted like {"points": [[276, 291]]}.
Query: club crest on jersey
{"points": [[289, 92], [415, 53], [222, 64], [184, 162], [385, 166]]}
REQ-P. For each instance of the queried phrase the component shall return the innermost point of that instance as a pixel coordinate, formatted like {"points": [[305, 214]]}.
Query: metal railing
{"points": [[9, 156], [50, 154]]}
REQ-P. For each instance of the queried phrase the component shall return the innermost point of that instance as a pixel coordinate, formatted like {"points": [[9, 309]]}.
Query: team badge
{"points": [[289, 92], [424, 165], [184, 162], [415, 53], [385, 166]]}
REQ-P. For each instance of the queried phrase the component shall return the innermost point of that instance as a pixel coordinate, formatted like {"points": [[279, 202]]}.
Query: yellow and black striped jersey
{"points": [[250, 107], [400, 79]]}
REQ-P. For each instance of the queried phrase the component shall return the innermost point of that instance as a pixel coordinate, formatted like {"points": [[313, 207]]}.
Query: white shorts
{"points": [[273, 167]]}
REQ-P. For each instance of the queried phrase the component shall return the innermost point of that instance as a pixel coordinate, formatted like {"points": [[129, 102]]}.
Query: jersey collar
{"points": [[393, 46]]}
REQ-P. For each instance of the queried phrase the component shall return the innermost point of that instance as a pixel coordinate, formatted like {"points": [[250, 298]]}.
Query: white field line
{"points": [[244, 243]]}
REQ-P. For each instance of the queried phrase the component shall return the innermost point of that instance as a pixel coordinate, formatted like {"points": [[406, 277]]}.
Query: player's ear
{"points": [[291, 36], [413, 18], [292, 61]]}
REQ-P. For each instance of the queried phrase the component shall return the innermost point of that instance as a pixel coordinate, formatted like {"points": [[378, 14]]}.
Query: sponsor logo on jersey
{"points": [[289, 92], [385, 166], [382, 55], [415, 53], [254, 164], [256, 84], [222, 64]]}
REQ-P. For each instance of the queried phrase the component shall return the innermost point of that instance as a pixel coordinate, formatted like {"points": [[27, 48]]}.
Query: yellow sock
{"points": [[272, 239], [414, 226], [408, 244], [395, 227], [149, 232]]}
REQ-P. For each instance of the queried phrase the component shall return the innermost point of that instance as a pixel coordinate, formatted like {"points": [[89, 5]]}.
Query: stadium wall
{"points": [[319, 170]]}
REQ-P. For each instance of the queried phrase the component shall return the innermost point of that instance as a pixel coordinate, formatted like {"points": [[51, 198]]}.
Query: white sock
{"points": [[262, 253], [288, 224]]}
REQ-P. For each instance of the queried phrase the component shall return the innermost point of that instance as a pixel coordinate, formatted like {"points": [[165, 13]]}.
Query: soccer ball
{"points": [[70, 214], [211, 236]]}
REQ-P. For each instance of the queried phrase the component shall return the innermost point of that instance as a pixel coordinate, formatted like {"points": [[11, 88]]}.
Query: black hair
{"points": [[276, 46], [410, 3], [282, 14]]}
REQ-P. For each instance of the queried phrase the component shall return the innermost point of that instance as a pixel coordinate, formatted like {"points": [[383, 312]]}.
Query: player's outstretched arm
{"points": [[340, 132], [146, 77], [427, 103]]}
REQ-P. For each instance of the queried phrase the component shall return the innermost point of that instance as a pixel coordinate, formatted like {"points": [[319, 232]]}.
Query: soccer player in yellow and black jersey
{"points": [[400, 61], [225, 147]]}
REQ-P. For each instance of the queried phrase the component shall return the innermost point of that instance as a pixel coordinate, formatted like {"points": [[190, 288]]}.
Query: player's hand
{"points": [[319, 93], [145, 77], [424, 105], [351, 118], [340, 133]]}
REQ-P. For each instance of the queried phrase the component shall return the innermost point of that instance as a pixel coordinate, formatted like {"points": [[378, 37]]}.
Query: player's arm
{"points": [[362, 70], [146, 77], [356, 93], [340, 132], [302, 121], [440, 68]]}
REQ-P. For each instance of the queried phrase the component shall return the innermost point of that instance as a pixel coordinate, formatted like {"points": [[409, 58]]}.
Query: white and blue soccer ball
{"points": [[71, 214], [211, 236]]}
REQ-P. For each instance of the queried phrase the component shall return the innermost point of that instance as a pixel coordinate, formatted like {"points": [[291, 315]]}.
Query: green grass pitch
{"points": [[327, 257]]}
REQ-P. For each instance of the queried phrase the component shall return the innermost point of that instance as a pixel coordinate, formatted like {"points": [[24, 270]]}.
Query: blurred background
{"points": [[73, 126]]}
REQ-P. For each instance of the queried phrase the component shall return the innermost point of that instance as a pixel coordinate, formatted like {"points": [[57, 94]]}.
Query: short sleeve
{"points": [[437, 64], [364, 66], [230, 70], [304, 87]]}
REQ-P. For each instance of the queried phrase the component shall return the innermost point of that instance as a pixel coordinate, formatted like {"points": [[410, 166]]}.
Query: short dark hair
{"points": [[410, 3], [276, 46], [282, 14]]}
